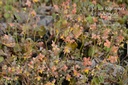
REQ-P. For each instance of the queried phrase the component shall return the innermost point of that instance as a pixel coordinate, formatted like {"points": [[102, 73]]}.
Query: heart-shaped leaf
{"points": [[91, 51], [1, 59]]}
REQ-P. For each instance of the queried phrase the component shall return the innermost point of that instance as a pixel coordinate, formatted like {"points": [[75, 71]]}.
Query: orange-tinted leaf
{"points": [[40, 57], [87, 61], [107, 44], [112, 59], [28, 3], [94, 2], [38, 78], [94, 36], [74, 11], [53, 68], [68, 77], [75, 72], [67, 49], [93, 26], [114, 49], [35, 1], [33, 13], [120, 38], [105, 33], [56, 7], [55, 48], [77, 31], [86, 70], [95, 19], [65, 68]]}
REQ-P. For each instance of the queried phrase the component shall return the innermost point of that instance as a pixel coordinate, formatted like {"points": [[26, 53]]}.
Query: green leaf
{"points": [[99, 7], [10, 1], [1, 59], [42, 31], [120, 0], [8, 7], [107, 49], [73, 45], [17, 48], [7, 15], [95, 81], [89, 19], [101, 79], [91, 51]]}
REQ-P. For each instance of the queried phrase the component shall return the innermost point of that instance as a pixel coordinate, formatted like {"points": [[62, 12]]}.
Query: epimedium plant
{"points": [[82, 40]]}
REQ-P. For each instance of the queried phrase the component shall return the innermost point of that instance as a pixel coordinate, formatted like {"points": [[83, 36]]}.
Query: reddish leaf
{"points": [[28, 3], [107, 43], [113, 59], [87, 61]]}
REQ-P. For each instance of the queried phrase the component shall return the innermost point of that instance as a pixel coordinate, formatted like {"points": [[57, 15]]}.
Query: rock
{"points": [[113, 69], [3, 27], [1, 32], [21, 17], [44, 10], [45, 20]]}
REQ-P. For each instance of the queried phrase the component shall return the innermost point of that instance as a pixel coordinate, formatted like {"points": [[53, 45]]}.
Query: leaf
{"points": [[64, 23], [77, 30], [114, 49], [119, 1], [86, 70], [8, 7], [87, 61], [42, 31], [1, 59], [8, 41], [7, 15], [70, 46], [65, 68], [28, 3], [73, 45], [25, 28], [1, 3], [107, 49], [101, 79], [112, 59], [97, 80], [68, 77], [35, 1], [17, 48], [89, 19], [33, 13], [107, 44], [99, 7], [38, 78], [91, 51], [10, 1]]}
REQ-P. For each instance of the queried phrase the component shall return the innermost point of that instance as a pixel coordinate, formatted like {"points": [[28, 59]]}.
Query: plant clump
{"points": [[63, 42]]}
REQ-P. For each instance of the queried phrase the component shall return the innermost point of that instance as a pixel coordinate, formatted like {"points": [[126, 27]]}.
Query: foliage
{"points": [[82, 44]]}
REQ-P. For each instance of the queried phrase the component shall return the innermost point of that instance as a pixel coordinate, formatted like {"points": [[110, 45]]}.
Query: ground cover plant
{"points": [[63, 42]]}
